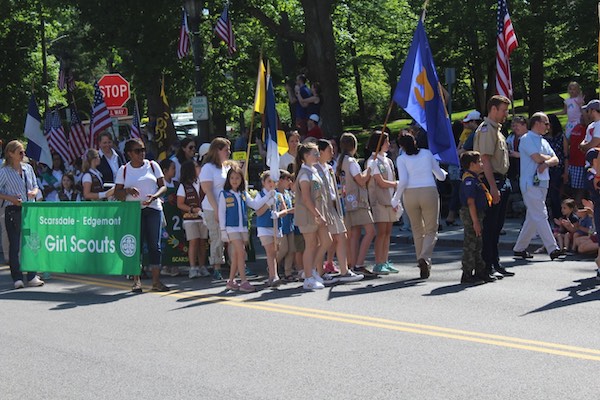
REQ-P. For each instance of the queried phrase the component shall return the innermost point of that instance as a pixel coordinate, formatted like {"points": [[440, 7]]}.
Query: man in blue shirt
{"points": [[536, 157]]}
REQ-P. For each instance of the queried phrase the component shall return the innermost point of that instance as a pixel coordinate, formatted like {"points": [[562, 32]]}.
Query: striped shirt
{"points": [[13, 184]]}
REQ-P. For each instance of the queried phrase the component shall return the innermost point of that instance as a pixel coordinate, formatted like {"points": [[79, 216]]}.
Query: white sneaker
{"points": [[316, 275], [36, 281], [203, 272], [164, 271], [350, 276], [194, 272], [19, 284], [312, 284]]}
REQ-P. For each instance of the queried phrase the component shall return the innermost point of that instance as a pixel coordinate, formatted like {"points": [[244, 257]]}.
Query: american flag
{"points": [[183, 48], [62, 76], [100, 116], [78, 140], [71, 82], [506, 43], [58, 140], [224, 30], [136, 132]]}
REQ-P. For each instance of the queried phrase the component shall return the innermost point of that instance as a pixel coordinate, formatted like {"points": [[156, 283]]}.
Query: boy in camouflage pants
{"points": [[474, 198]]}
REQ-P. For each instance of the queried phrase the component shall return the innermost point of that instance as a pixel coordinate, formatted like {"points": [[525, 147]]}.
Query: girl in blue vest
{"points": [[268, 230], [233, 223]]}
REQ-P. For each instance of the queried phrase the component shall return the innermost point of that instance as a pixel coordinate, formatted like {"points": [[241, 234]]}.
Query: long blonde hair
{"points": [[212, 156], [10, 148], [88, 156]]}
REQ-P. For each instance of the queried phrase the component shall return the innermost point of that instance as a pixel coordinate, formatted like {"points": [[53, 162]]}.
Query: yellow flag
{"points": [[260, 96], [282, 144]]}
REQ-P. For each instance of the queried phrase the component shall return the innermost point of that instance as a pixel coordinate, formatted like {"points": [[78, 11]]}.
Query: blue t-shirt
{"points": [[302, 112], [532, 143], [471, 188]]}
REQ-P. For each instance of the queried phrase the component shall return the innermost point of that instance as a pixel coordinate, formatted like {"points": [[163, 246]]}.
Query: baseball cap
{"points": [[473, 116], [314, 117], [203, 150], [592, 105]]}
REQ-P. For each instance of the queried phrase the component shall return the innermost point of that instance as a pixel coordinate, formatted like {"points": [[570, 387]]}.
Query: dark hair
{"points": [[570, 203], [323, 144], [555, 125], [69, 176], [166, 164], [182, 145], [187, 174], [469, 157], [373, 142], [132, 142], [235, 169], [302, 77], [347, 144], [61, 166], [264, 175], [317, 86], [408, 143], [496, 100], [283, 174], [519, 119], [303, 149], [104, 134]]}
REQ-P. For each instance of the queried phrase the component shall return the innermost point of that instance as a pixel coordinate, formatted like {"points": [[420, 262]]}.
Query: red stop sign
{"points": [[115, 90]]}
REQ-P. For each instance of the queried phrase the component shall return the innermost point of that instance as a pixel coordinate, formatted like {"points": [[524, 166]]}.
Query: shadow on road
{"points": [[586, 290], [450, 289], [370, 288], [76, 298]]}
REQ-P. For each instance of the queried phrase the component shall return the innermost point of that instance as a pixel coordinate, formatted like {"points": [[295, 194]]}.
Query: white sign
{"points": [[200, 108]]}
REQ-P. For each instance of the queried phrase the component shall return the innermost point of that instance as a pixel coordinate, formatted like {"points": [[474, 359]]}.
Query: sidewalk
{"points": [[452, 236]]}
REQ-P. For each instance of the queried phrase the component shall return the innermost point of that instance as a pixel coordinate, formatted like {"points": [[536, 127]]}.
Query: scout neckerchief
{"points": [[488, 196]]}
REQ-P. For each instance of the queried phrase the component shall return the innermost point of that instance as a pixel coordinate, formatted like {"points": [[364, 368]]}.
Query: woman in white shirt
{"points": [[416, 171], [142, 180], [212, 179]]}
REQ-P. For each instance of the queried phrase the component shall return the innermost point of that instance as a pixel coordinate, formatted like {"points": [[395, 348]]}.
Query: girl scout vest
{"points": [[355, 196], [329, 181], [377, 195], [265, 220], [192, 199], [97, 185], [62, 196], [302, 216], [232, 209]]}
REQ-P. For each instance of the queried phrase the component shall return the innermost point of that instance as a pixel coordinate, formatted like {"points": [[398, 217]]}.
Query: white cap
{"points": [[473, 116], [314, 117], [203, 150]]}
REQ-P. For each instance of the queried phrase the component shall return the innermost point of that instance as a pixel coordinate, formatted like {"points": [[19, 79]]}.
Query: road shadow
{"points": [[370, 288], [75, 297], [582, 292], [450, 289]]}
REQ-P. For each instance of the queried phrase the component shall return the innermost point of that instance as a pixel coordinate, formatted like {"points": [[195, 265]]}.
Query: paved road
{"points": [[533, 336]]}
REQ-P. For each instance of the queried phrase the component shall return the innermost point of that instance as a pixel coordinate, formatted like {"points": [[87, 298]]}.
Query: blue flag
{"points": [[271, 131], [37, 144], [419, 93]]}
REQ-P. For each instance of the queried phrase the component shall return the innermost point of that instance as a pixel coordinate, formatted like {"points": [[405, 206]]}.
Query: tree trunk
{"points": [[285, 48], [357, 82], [320, 51]]}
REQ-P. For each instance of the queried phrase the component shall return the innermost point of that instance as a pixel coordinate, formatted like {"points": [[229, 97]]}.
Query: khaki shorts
{"points": [[337, 226], [195, 229], [299, 244], [359, 217], [243, 236], [384, 214], [308, 228], [265, 240]]}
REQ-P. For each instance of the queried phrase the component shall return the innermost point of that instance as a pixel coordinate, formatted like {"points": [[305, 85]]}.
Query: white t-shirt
{"points": [[286, 160], [418, 170], [218, 176], [177, 168], [87, 177], [375, 169], [305, 177], [144, 179], [354, 166], [592, 131]]}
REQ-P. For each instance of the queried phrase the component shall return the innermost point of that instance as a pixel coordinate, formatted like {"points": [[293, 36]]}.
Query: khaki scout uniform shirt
{"points": [[490, 141]]}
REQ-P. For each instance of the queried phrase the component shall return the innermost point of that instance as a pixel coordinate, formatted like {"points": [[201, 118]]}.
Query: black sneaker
{"points": [[468, 279], [364, 272], [555, 254], [486, 278], [425, 268], [496, 274], [522, 254], [503, 271]]}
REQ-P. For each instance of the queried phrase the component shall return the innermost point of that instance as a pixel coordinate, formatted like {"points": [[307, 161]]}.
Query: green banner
{"points": [[175, 247], [100, 238]]}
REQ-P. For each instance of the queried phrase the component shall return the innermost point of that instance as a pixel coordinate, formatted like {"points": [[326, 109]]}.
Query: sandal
{"points": [[137, 287], [160, 287]]}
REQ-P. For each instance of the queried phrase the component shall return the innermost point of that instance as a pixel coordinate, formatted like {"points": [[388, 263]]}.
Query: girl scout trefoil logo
{"points": [[128, 245]]}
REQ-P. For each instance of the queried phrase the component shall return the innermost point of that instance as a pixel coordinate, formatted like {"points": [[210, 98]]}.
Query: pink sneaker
{"points": [[247, 287], [232, 285], [330, 268]]}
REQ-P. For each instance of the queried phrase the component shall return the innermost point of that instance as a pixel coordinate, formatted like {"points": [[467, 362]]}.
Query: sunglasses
{"points": [[139, 150]]}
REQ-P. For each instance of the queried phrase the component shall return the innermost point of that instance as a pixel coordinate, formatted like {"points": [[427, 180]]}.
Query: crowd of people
{"points": [[319, 220]]}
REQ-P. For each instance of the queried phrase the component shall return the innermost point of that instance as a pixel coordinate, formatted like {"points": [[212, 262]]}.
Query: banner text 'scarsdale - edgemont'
{"points": [[89, 221]]}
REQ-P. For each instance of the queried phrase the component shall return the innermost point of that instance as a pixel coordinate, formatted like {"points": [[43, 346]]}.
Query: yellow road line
{"points": [[382, 323]]}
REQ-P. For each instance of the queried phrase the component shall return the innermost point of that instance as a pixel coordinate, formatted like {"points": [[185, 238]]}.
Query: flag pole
{"points": [[250, 133], [137, 110], [599, 44]]}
